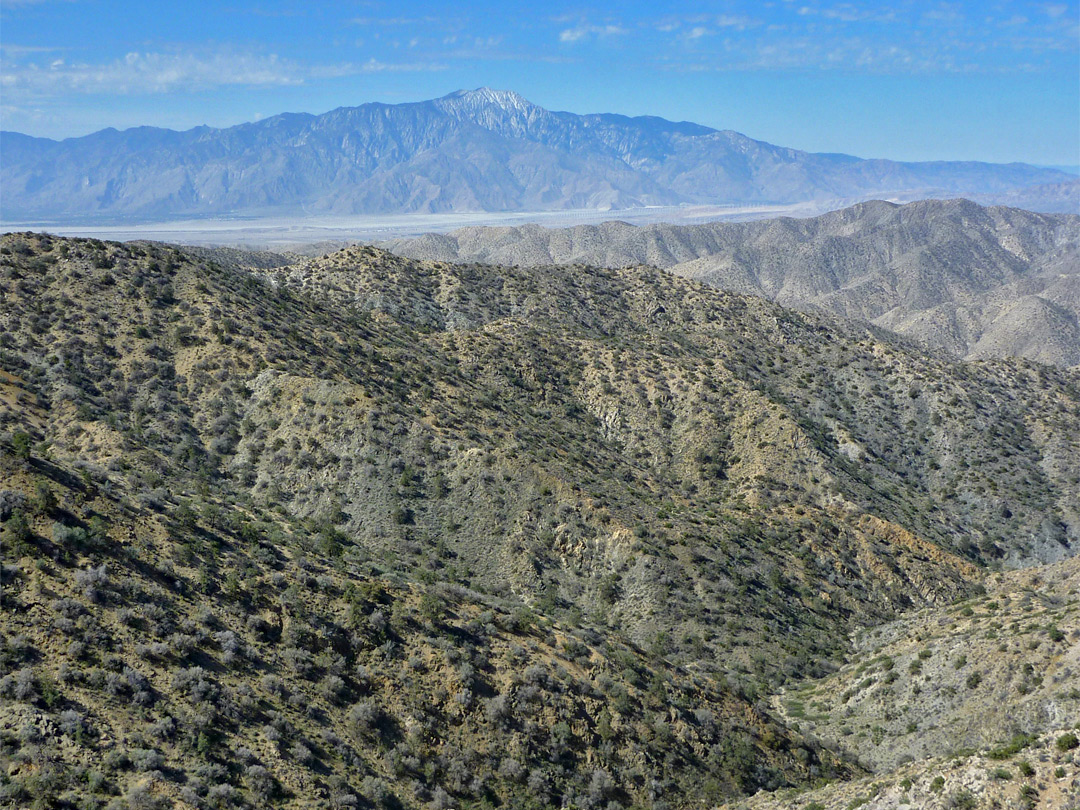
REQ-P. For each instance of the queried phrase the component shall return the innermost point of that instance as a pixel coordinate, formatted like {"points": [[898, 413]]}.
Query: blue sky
{"points": [[910, 80]]}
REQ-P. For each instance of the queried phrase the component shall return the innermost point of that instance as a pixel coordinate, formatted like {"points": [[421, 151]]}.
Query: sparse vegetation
{"points": [[323, 533]]}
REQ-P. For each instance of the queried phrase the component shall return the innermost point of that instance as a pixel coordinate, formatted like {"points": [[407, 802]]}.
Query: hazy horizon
{"points": [[922, 81]]}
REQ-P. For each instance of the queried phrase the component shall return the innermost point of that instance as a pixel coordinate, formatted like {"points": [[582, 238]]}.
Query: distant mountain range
{"points": [[479, 150], [978, 282]]}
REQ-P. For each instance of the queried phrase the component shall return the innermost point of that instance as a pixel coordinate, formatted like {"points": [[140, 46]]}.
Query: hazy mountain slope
{"points": [[480, 150], [721, 488], [1052, 198], [979, 282]]}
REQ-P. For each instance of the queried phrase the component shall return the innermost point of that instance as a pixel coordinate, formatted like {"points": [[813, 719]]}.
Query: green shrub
{"points": [[963, 800], [1013, 747], [1067, 742]]}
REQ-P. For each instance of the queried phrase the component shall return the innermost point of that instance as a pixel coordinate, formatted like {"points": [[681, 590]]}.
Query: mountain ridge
{"points": [[479, 150], [950, 273]]}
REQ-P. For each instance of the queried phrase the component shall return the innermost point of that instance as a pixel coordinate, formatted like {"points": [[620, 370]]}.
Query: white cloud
{"points": [[9, 51], [930, 36], [848, 13], [409, 21], [14, 3], [736, 21], [580, 32], [149, 73]]}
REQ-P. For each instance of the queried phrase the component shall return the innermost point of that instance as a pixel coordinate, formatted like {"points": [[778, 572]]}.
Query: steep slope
{"points": [[1040, 774], [195, 661], [979, 282], [480, 150], [679, 488], [973, 705], [399, 398], [970, 676]]}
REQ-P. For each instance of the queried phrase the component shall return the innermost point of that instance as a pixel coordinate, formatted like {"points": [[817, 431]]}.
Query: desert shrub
{"points": [[302, 754], [10, 501], [163, 728], [17, 534], [147, 759], [260, 782], [93, 582], [962, 800], [1017, 744], [232, 649], [72, 724], [21, 685], [1067, 742], [195, 684], [299, 661], [333, 688], [366, 717]]}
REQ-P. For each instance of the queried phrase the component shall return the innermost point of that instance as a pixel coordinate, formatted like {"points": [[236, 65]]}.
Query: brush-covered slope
{"points": [[682, 488], [971, 675], [978, 282], [971, 705], [1041, 772], [233, 658], [622, 441], [479, 150]]}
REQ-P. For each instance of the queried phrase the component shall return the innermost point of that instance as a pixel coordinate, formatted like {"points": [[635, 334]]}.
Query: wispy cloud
{"points": [[397, 21], [157, 72], [849, 13], [850, 53], [9, 51], [15, 3], [908, 37], [584, 31]]}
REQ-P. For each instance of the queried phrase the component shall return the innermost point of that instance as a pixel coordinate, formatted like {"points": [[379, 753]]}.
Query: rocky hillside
{"points": [[427, 534], [977, 282], [221, 658], [970, 705], [970, 675], [478, 150], [1028, 773]]}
